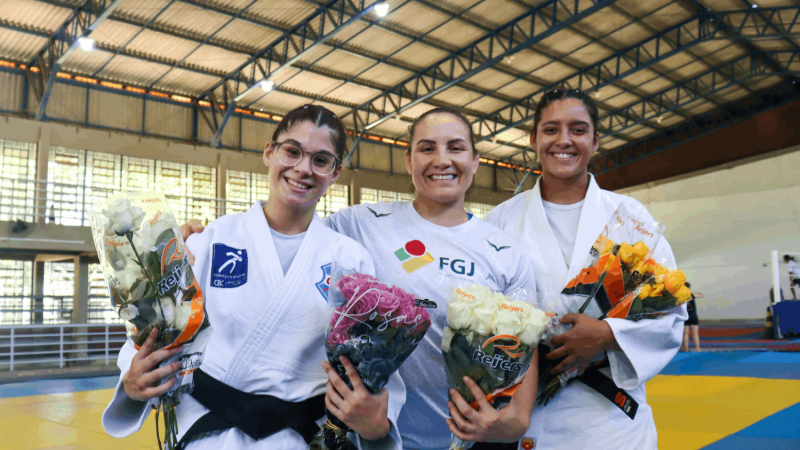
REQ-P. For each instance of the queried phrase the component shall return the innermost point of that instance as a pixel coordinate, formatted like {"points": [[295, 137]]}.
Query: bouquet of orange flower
{"points": [[620, 280]]}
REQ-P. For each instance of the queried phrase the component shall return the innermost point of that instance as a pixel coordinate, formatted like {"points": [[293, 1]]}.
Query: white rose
{"points": [[482, 319], [525, 308], [165, 308], [183, 312], [125, 279], [128, 313], [123, 217], [533, 328], [506, 322], [458, 315], [447, 338]]}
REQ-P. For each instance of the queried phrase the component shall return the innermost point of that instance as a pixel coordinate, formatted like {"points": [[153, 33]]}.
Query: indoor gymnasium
{"points": [[688, 109]]}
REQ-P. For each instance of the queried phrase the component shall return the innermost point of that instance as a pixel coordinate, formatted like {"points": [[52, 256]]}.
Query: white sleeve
{"points": [[648, 345], [123, 416], [200, 246], [397, 398], [524, 278], [341, 221]]}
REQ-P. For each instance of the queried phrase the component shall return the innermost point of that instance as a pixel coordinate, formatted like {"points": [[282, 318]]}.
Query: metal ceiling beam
{"points": [[84, 19], [295, 43], [141, 30], [695, 128], [470, 60], [701, 27], [697, 88]]}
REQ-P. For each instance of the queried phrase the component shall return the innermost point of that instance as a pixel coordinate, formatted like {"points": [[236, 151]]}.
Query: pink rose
{"points": [[388, 304]]}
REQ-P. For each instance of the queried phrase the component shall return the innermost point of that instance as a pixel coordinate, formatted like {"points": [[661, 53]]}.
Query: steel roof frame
{"points": [[84, 19], [468, 61], [696, 127], [298, 41], [701, 27]]}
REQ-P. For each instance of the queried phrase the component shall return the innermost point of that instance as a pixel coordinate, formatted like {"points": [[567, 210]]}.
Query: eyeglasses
{"points": [[322, 162]]}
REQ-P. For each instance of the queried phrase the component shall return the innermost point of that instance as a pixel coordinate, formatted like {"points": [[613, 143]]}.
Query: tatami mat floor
{"points": [[732, 400]]}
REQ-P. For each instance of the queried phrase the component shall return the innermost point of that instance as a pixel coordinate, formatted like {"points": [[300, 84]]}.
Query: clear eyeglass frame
{"points": [[318, 170]]}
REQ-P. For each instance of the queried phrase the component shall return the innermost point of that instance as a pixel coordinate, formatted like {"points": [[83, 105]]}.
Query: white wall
{"points": [[723, 224]]}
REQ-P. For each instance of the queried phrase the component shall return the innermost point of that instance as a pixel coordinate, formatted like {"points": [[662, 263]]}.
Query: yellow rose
{"points": [[656, 291], [683, 295], [626, 253], [640, 251], [674, 281], [644, 291], [609, 245]]}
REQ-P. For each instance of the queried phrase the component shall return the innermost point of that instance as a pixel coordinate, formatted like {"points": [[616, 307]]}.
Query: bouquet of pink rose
{"points": [[376, 327]]}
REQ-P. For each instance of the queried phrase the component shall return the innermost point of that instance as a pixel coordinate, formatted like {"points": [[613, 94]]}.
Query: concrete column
{"points": [[80, 303], [38, 291], [42, 155], [355, 188], [222, 182]]}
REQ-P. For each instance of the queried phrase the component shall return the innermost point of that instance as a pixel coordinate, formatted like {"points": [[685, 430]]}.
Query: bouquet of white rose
{"points": [[151, 283], [490, 338]]}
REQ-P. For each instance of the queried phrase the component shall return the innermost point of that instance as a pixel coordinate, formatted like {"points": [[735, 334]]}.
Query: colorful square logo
{"points": [[413, 256]]}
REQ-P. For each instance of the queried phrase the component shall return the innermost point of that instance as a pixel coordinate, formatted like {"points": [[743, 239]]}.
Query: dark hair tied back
{"points": [[558, 94], [443, 110], [320, 117]]}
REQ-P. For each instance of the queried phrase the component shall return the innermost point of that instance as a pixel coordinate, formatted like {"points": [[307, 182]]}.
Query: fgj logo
{"points": [[413, 256], [457, 266], [228, 267], [497, 361], [325, 283]]}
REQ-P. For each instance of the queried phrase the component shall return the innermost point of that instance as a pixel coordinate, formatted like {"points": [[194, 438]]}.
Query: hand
{"points": [[588, 339], [360, 410], [486, 424], [189, 228], [140, 380]]}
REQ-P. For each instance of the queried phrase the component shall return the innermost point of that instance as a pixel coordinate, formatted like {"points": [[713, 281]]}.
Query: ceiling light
{"points": [[660, 119], [267, 85], [86, 44], [755, 6], [382, 9]]}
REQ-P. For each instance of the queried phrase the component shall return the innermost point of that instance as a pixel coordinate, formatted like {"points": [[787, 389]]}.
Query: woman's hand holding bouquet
{"points": [[487, 347], [373, 329]]}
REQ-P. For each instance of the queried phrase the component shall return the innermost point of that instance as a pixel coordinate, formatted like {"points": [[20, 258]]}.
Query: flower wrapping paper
{"points": [[491, 338], [151, 284], [376, 327]]}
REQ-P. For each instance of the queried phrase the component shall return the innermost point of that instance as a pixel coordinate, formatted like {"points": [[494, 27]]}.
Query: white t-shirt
{"points": [[794, 269], [427, 259], [286, 247], [563, 220]]}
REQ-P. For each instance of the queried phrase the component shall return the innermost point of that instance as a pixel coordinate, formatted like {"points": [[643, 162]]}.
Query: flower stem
{"points": [[147, 274]]}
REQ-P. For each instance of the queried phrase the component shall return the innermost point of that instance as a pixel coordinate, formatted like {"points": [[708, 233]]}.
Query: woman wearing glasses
{"points": [[425, 245], [558, 221], [261, 384]]}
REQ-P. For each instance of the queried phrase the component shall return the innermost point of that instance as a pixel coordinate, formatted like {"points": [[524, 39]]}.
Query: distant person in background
{"points": [[794, 273], [693, 323]]}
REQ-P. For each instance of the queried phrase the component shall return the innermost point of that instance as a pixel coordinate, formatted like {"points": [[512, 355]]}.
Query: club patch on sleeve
{"points": [[228, 267]]}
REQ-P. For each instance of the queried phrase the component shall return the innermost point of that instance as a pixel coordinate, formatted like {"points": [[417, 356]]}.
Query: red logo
{"points": [[620, 400], [528, 444]]}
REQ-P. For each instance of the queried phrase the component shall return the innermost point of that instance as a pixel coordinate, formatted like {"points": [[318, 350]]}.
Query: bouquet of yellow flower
{"points": [[491, 338], [620, 280]]}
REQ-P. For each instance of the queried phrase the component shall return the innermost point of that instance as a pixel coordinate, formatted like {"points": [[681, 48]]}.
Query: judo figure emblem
{"points": [[228, 267], [325, 283]]}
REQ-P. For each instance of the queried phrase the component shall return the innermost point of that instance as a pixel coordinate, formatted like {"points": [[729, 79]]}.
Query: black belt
{"points": [[258, 416], [596, 380]]}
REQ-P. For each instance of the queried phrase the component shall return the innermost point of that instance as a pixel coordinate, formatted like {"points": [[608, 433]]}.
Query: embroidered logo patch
{"points": [[325, 283], [228, 267]]}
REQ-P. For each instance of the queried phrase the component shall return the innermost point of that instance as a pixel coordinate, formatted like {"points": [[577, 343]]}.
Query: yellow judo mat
{"points": [[691, 412]]}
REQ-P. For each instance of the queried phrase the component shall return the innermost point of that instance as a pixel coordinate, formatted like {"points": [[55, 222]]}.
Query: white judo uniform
{"points": [[425, 258], [579, 417], [268, 328]]}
